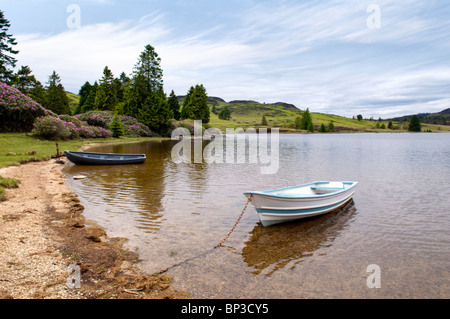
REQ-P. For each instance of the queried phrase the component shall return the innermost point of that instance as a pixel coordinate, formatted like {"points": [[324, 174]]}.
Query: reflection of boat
{"points": [[291, 203], [85, 158], [270, 249]]}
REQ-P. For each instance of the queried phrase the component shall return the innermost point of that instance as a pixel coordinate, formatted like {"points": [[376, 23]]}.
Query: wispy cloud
{"points": [[313, 54]]}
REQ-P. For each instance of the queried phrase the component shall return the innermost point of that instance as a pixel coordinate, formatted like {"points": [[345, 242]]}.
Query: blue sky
{"points": [[338, 57]]}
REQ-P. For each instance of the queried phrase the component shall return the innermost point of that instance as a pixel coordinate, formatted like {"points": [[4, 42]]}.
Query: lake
{"points": [[392, 241]]}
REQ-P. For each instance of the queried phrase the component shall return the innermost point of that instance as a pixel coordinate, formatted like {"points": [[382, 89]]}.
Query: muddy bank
{"points": [[43, 232]]}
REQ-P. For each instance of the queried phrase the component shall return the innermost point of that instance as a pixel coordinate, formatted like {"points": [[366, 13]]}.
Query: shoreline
{"points": [[43, 232]]}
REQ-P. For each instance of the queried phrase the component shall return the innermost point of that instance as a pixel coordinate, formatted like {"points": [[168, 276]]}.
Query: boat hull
{"points": [[303, 201], [85, 158]]}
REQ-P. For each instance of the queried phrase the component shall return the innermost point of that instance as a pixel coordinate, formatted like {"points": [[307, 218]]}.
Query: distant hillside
{"points": [[439, 118], [73, 100]]}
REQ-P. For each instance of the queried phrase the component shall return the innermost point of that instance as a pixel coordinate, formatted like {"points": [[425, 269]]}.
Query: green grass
{"points": [[17, 148], [74, 99], [246, 114]]}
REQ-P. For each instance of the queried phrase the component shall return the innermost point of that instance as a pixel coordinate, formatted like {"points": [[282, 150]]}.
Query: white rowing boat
{"points": [[296, 202]]}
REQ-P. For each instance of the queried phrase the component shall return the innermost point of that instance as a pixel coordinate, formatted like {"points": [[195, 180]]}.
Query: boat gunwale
{"points": [[105, 154], [302, 196]]}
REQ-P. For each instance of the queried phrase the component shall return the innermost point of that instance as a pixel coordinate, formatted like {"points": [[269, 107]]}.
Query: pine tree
{"points": [[106, 95], [116, 127], [155, 112], [55, 98], [198, 104], [186, 112], [225, 113], [7, 61], [414, 124], [264, 121], [149, 69], [89, 103], [144, 96], [83, 93], [306, 121], [174, 105], [323, 129], [331, 127]]}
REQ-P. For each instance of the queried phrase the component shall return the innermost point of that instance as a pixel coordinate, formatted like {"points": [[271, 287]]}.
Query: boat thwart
{"points": [[296, 202]]}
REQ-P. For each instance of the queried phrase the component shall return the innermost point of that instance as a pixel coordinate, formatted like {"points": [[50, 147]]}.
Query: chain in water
{"points": [[215, 247]]}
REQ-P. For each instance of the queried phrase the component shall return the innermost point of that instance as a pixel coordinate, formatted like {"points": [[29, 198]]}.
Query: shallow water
{"points": [[399, 219]]}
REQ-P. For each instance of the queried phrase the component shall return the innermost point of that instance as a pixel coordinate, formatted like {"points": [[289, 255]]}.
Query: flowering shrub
{"points": [[51, 128], [18, 111], [132, 127]]}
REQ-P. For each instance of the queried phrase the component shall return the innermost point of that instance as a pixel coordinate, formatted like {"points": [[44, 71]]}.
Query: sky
{"points": [[377, 58]]}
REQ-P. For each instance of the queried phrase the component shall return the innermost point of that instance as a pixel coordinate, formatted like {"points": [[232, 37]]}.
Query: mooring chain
{"points": [[237, 222], [215, 247]]}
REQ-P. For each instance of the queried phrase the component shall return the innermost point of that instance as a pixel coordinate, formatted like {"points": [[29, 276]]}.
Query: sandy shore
{"points": [[43, 232]]}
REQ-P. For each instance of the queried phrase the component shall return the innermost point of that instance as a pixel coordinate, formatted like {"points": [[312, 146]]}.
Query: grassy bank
{"points": [[17, 148]]}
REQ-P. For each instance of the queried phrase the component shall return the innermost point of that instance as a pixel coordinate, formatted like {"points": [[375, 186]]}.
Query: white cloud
{"points": [[317, 55]]}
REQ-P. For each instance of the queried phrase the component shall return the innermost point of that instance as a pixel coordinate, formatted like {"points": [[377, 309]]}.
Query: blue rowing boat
{"points": [[296, 202], [86, 158]]}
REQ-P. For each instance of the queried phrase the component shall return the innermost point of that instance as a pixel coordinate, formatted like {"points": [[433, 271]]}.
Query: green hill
{"points": [[247, 113], [281, 115], [438, 118], [73, 100]]}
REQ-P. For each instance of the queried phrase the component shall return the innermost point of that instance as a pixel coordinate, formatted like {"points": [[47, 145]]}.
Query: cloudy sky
{"points": [[376, 57]]}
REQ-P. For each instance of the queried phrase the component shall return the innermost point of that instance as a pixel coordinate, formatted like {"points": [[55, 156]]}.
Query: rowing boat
{"points": [[86, 158], [296, 202]]}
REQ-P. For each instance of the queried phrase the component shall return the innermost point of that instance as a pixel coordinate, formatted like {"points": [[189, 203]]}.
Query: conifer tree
{"points": [[186, 112], [414, 124], [116, 127], [89, 103], [106, 95], [7, 60], [83, 93], [174, 105], [264, 121], [331, 127], [306, 121], [55, 98], [225, 114], [195, 105]]}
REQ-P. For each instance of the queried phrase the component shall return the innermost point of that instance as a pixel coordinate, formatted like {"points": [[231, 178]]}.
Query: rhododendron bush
{"points": [[18, 111]]}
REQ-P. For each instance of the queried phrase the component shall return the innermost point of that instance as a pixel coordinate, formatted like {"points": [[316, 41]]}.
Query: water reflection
{"points": [[121, 190], [272, 248]]}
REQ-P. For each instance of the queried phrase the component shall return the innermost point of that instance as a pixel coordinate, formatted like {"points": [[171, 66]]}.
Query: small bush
{"points": [[51, 128]]}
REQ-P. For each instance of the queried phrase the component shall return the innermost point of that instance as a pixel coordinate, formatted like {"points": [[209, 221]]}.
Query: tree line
{"points": [[140, 95]]}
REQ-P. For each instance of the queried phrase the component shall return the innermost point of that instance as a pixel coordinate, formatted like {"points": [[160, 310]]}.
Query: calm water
{"points": [[399, 219]]}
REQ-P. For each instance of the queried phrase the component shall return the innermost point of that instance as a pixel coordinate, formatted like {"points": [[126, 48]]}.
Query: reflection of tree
{"points": [[129, 188], [278, 245]]}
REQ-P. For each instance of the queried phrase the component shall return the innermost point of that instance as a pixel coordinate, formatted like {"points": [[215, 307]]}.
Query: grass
{"points": [[18, 148], [7, 183], [246, 114]]}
